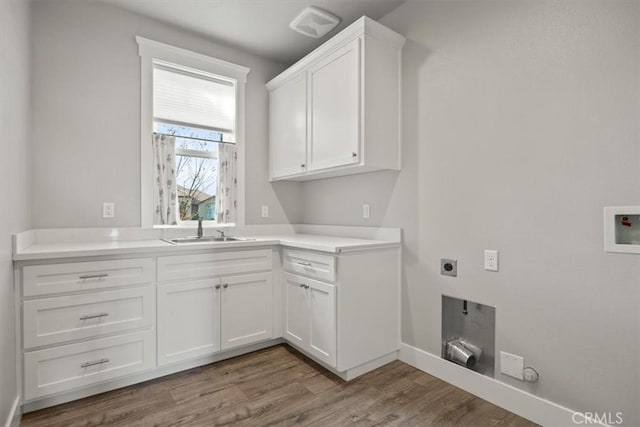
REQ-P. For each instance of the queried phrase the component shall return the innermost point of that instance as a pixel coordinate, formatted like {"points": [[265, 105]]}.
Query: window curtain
{"points": [[226, 195], [165, 194]]}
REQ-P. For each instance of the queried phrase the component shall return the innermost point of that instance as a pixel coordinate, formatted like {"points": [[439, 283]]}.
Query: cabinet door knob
{"points": [[226, 285], [354, 154], [217, 286], [303, 165]]}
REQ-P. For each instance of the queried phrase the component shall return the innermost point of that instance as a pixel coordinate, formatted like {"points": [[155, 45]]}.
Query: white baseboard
{"points": [[519, 402], [13, 419]]}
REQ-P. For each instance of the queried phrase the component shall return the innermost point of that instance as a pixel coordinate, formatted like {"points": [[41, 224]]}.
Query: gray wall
{"points": [[86, 116], [520, 123], [15, 209]]}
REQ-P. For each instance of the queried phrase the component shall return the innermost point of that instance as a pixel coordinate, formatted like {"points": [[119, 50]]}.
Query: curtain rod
{"points": [[194, 138]]}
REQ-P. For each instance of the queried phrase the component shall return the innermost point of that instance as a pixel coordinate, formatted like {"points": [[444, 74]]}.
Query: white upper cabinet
{"points": [[335, 96], [288, 105], [337, 111]]}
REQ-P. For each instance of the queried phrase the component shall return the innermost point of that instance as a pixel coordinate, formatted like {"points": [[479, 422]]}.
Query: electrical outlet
{"points": [[512, 365], [449, 267], [490, 260], [108, 210], [366, 211], [265, 211]]}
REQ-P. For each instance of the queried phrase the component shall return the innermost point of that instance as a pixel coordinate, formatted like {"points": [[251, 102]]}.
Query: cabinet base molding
{"points": [[65, 397], [352, 373], [356, 371]]}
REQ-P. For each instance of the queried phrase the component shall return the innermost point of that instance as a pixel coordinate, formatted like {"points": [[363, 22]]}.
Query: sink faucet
{"points": [[200, 233], [221, 233]]}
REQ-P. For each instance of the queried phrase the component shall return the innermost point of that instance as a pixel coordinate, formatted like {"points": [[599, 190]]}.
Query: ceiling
{"points": [[257, 26]]}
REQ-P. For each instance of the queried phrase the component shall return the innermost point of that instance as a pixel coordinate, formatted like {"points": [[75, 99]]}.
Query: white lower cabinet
{"points": [[86, 323], [66, 318], [69, 366], [246, 309], [343, 309], [310, 316], [188, 320], [94, 324], [199, 318]]}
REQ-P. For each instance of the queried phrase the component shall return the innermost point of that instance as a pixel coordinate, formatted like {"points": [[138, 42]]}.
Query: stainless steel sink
{"points": [[203, 239]]}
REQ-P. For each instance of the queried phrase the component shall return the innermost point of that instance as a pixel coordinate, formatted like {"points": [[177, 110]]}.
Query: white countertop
{"points": [[53, 250]]}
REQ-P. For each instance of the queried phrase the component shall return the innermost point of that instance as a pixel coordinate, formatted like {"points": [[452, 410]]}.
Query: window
{"points": [[191, 138], [196, 166]]}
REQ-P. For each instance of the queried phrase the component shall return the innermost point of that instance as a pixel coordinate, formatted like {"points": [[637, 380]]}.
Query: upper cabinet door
{"points": [[288, 122], [335, 109]]}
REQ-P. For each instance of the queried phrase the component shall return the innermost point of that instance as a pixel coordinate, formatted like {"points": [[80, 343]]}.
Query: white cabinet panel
{"points": [[65, 318], [246, 309], [188, 320], [187, 267], [322, 321], [85, 276], [295, 328], [288, 127], [311, 264], [310, 317], [70, 366], [335, 108]]}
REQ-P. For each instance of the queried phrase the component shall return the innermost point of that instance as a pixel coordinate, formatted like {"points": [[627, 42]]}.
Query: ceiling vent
{"points": [[314, 22]]}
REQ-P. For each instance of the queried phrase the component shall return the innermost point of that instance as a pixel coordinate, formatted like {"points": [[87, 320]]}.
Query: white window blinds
{"points": [[191, 98]]}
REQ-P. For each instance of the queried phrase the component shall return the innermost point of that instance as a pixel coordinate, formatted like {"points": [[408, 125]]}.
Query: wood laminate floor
{"points": [[278, 386]]}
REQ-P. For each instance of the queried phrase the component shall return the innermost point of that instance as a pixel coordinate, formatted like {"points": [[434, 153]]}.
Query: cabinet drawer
{"points": [[82, 276], [310, 264], [186, 267], [59, 319], [70, 366]]}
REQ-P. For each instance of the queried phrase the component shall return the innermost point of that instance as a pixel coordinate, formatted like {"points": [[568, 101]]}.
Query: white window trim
{"points": [[150, 50]]}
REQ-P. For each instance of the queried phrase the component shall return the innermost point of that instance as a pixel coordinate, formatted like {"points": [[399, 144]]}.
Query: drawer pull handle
{"points": [[217, 286], [97, 362], [304, 286], [94, 276], [226, 285], [306, 264], [94, 316]]}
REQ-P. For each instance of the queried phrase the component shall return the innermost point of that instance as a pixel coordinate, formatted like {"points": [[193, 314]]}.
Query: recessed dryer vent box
{"points": [[622, 229], [469, 334]]}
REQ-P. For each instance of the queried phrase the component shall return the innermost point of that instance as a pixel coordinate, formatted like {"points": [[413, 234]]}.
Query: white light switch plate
{"points": [[265, 211], [490, 260], [512, 365]]}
